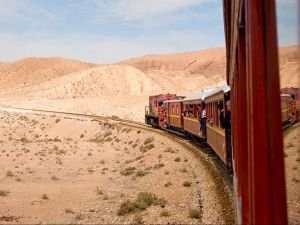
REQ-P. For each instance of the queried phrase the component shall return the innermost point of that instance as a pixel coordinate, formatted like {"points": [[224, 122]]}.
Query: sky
{"points": [[107, 31]]}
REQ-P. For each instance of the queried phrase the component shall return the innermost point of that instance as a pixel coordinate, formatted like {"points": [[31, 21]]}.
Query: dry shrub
{"points": [[148, 140], [183, 170], [159, 165], [24, 140], [290, 145], [57, 120], [91, 170], [128, 171], [177, 159], [164, 213], [45, 197], [134, 145], [68, 210], [169, 183], [195, 213], [79, 217], [9, 173], [142, 202], [54, 178], [187, 183], [3, 193], [141, 173], [169, 149], [98, 191]]}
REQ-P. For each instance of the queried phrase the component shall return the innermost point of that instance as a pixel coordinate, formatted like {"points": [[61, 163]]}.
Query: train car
{"points": [[154, 114], [295, 102], [252, 71], [285, 100], [174, 115], [192, 109], [217, 129]]}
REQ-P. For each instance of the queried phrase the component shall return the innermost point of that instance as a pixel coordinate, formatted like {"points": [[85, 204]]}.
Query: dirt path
{"points": [[55, 169], [292, 167]]}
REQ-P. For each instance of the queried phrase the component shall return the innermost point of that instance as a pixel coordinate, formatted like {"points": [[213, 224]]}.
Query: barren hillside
{"points": [[120, 89], [290, 66], [205, 62], [29, 71]]}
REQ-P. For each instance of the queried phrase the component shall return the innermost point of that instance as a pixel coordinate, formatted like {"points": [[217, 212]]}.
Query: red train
{"points": [[252, 72], [184, 116]]}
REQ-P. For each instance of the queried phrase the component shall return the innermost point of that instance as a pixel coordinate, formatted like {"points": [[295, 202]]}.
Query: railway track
{"points": [[203, 153]]}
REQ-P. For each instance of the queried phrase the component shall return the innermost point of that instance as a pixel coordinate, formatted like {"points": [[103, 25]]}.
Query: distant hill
{"points": [[197, 62], [30, 71]]}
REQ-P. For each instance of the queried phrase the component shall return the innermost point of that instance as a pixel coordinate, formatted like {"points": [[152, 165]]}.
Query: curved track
{"points": [[212, 163]]}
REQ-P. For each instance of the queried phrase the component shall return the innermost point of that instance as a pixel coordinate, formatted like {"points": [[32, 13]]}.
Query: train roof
{"points": [[175, 100], [207, 92], [225, 88]]}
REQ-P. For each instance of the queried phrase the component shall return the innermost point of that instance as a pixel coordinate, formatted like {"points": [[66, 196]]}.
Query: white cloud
{"points": [[141, 11], [18, 11]]}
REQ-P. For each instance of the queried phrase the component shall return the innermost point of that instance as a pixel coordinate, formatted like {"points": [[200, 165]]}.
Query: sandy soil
{"points": [[55, 169], [292, 167]]}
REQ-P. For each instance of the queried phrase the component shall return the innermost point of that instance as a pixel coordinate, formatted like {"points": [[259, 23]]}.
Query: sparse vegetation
{"points": [[54, 178], [45, 197], [128, 171], [195, 213], [177, 159], [159, 165], [148, 140], [290, 145], [82, 135], [169, 149], [68, 210], [142, 202], [98, 191], [187, 183], [164, 213], [3, 193], [9, 173], [169, 183], [141, 173], [79, 217], [183, 170], [57, 120]]}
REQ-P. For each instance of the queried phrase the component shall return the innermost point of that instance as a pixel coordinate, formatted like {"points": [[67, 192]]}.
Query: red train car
{"points": [[154, 114], [173, 115], [217, 130], [285, 100], [192, 109], [252, 72]]}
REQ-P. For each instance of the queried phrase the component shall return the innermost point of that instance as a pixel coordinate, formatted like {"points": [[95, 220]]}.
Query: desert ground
{"points": [[292, 166], [57, 169]]}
